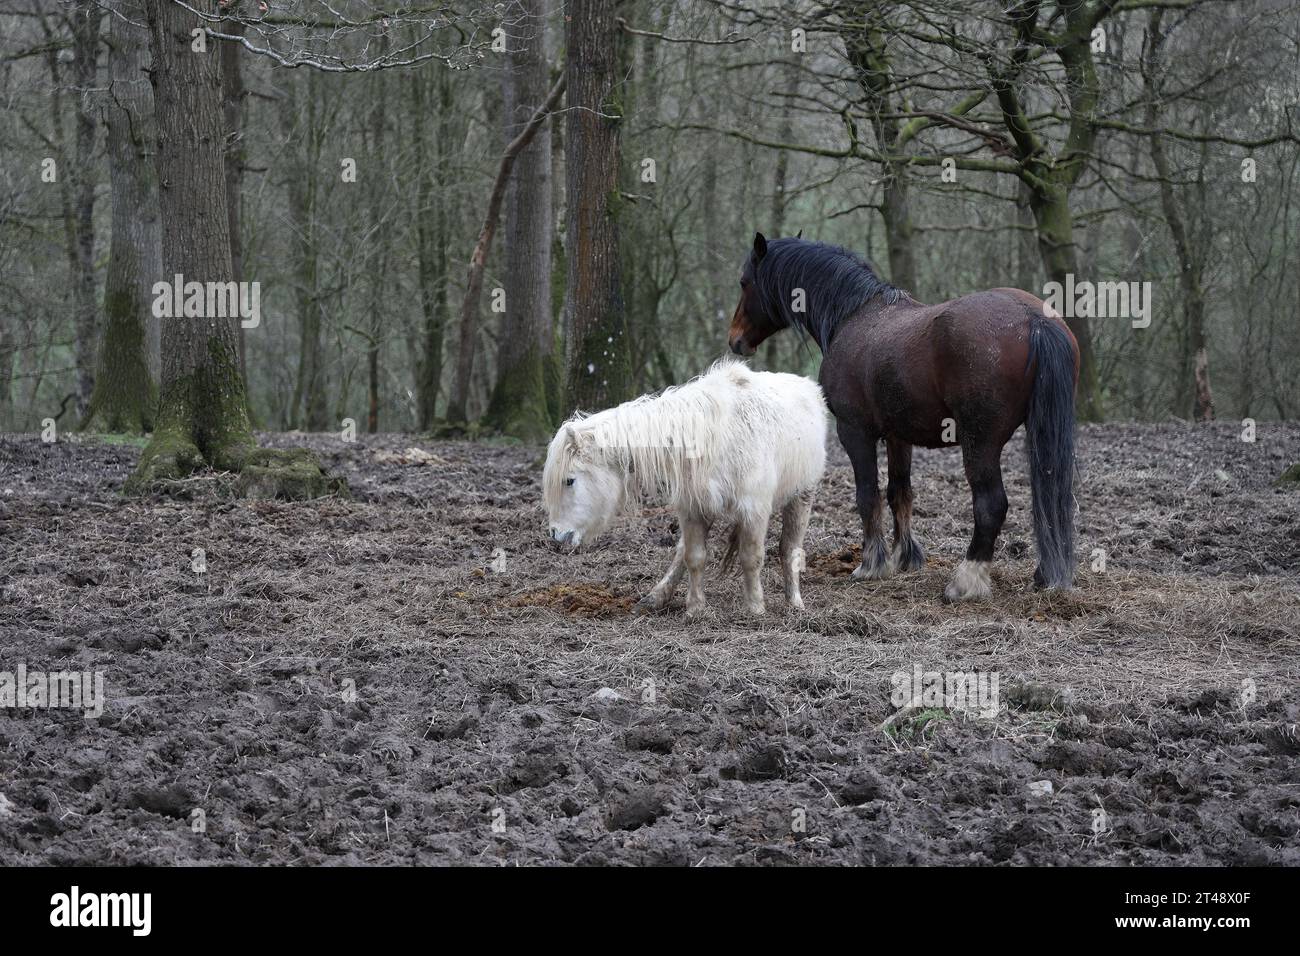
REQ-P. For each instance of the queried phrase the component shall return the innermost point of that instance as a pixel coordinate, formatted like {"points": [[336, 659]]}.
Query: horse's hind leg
{"points": [[861, 446], [984, 472], [907, 554], [794, 524], [663, 592]]}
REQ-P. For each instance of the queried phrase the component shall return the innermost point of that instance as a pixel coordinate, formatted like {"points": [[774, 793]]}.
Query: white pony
{"points": [[732, 445]]}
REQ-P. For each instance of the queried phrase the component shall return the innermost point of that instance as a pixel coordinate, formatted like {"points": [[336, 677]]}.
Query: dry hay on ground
{"points": [[363, 681]]}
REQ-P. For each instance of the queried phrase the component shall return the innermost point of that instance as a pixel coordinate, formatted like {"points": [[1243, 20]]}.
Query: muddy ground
{"points": [[363, 682]]}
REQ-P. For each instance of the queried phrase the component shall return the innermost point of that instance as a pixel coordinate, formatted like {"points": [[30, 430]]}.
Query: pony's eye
{"points": [[569, 482]]}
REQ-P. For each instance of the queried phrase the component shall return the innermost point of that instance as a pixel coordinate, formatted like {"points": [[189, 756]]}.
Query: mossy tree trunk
{"points": [[1050, 176], [865, 42], [599, 363], [124, 394], [202, 411], [518, 405]]}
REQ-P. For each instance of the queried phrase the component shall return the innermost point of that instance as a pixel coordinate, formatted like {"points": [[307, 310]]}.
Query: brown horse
{"points": [[969, 372]]}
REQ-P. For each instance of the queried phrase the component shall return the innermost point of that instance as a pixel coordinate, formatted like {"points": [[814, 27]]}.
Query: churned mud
{"points": [[416, 676]]}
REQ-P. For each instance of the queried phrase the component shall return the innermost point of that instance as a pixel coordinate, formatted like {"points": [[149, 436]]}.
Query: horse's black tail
{"points": [[1049, 442]]}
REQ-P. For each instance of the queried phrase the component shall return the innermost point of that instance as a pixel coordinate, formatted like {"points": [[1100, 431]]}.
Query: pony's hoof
{"points": [[796, 604], [755, 610], [648, 605], [695, 612], [969, 583]]}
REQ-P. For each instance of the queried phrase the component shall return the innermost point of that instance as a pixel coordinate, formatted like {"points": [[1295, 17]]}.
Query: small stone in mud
{"points": [[6, 808], [606, 695], [1040, 788]]}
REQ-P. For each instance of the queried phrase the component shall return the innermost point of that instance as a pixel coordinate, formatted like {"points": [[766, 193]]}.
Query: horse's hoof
{"points": [[877, 573], [907, 556], [969, 583], [796, 604]]}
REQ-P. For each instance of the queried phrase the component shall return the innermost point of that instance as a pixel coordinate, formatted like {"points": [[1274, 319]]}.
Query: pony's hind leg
{"points": [[984, 472], [752, 534], [907, 554], [695, 552], [663, 592], [794, 524], [861, 447]]}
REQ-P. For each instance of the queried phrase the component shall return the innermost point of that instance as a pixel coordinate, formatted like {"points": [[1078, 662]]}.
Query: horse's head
{"points": [[583, 493], [751, 323]]}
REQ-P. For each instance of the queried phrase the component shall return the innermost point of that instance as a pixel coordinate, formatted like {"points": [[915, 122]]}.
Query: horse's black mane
{"points": [[836, 284]]}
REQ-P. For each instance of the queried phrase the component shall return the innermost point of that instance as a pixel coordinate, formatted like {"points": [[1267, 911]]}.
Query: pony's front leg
{"points": [[861, 447], [663, 592], [907, 554], [753, 534], [794, 524], [695, 552]]}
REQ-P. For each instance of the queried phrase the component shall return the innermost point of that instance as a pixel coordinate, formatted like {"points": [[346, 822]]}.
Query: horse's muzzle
{"points": [[740, 346]]}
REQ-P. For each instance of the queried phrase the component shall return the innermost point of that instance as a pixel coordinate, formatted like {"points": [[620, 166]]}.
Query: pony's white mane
{"points": [[663, 445]]}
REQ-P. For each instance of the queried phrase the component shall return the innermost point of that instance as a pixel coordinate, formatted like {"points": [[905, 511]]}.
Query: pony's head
{"points": [[752, 323], [583, 492]]}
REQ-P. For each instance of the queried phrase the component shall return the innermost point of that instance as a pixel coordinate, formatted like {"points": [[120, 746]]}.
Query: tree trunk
{"points": [[86, 18], [518, 405], [308, 409], [1190, 264], [599, 372], [232, 105], [202, 411], [433, 214], [869, 56], [458, 407], [1055, 222], [124, 395]]}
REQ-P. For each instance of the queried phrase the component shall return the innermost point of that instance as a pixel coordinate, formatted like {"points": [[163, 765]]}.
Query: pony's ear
{"points": [[575, 439], [760, 247]]}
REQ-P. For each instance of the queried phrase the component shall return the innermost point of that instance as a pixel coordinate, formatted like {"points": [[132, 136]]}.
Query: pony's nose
{"points": [[563, 537]]}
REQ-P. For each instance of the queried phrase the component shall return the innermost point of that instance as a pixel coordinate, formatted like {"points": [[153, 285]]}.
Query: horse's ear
{"points": [[799, 234], [760, 247]]}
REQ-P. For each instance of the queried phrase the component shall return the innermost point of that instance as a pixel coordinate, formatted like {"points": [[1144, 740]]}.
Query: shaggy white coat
{"points": [[732, 445]]}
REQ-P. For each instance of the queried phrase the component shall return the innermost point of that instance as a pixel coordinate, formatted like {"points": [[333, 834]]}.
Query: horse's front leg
{"points": [[695, 552], [663, 592], [907, 554], [861, 447]]}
